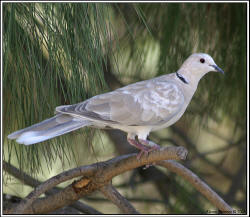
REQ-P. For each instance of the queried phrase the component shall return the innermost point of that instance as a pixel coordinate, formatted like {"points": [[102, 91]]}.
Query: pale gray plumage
{"points": [[47, 129], [137, 109]]}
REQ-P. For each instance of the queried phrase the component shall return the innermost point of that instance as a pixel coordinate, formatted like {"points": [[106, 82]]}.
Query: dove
{"points": [[136, 109]]}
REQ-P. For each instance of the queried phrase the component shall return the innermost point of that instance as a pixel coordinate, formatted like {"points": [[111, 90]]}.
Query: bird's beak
{"points": [[217, 69]]}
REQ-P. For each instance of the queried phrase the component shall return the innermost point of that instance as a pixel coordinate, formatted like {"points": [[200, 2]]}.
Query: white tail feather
{"points": [[47, 129]]}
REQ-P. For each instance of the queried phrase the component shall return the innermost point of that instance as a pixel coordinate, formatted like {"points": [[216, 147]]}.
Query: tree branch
{"points": [[112, 194], [197, 183], [94, 177], [28, 180]]}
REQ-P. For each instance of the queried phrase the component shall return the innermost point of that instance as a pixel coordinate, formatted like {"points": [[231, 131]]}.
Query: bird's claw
{"points": [[145, 147], [141, 153]]}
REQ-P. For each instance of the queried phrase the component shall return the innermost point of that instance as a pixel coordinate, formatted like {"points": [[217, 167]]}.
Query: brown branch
{"points": [[158, 178], [84, 208], [113, 195], [134, 199], [55, 201], [99, 175], [197, 183], [28, 180], [20, 175]]}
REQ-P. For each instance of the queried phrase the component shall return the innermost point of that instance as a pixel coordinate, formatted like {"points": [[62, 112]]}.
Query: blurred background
{"points": [[63, 53]]}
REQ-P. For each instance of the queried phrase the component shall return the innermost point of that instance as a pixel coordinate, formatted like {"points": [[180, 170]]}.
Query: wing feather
{"points": [[142, 103]]}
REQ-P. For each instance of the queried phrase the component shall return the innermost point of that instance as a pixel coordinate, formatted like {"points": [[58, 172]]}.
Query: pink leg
{"points": [[152, 146], [141, 147], [144, 145]]}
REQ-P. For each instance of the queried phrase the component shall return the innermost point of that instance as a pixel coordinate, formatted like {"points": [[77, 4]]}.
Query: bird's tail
{"points": [[47, 129]]}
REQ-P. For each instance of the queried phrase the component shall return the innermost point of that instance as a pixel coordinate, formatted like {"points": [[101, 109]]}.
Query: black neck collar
{"points": [[181, 78]]}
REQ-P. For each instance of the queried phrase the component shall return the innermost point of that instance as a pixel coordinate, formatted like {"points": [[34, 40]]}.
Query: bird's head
{"points": [[197, 65]]}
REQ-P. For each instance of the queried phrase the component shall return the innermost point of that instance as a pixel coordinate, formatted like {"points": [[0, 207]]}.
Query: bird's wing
{"points": [[143, 103]]}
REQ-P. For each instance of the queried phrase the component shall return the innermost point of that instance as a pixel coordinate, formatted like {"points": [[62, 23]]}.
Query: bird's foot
{"points": [[145, 146], [145, 151], [150, 144]]}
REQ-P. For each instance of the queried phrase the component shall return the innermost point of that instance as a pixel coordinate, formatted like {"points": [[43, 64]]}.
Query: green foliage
{"points": [[180, 29], [53, 54], [57, 53]]}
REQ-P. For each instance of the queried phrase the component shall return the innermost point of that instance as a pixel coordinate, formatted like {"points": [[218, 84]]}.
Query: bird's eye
{"points": [[202, 60]]}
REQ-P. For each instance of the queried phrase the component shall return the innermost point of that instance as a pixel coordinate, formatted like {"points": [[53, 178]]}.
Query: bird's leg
{"points": [[143, 148], [151, 145]]}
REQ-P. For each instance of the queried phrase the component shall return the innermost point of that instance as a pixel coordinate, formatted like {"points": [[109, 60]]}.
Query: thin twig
{"points": [[197, 183], [191, 146], [113, 195], [99, 175], [226, 148]]}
